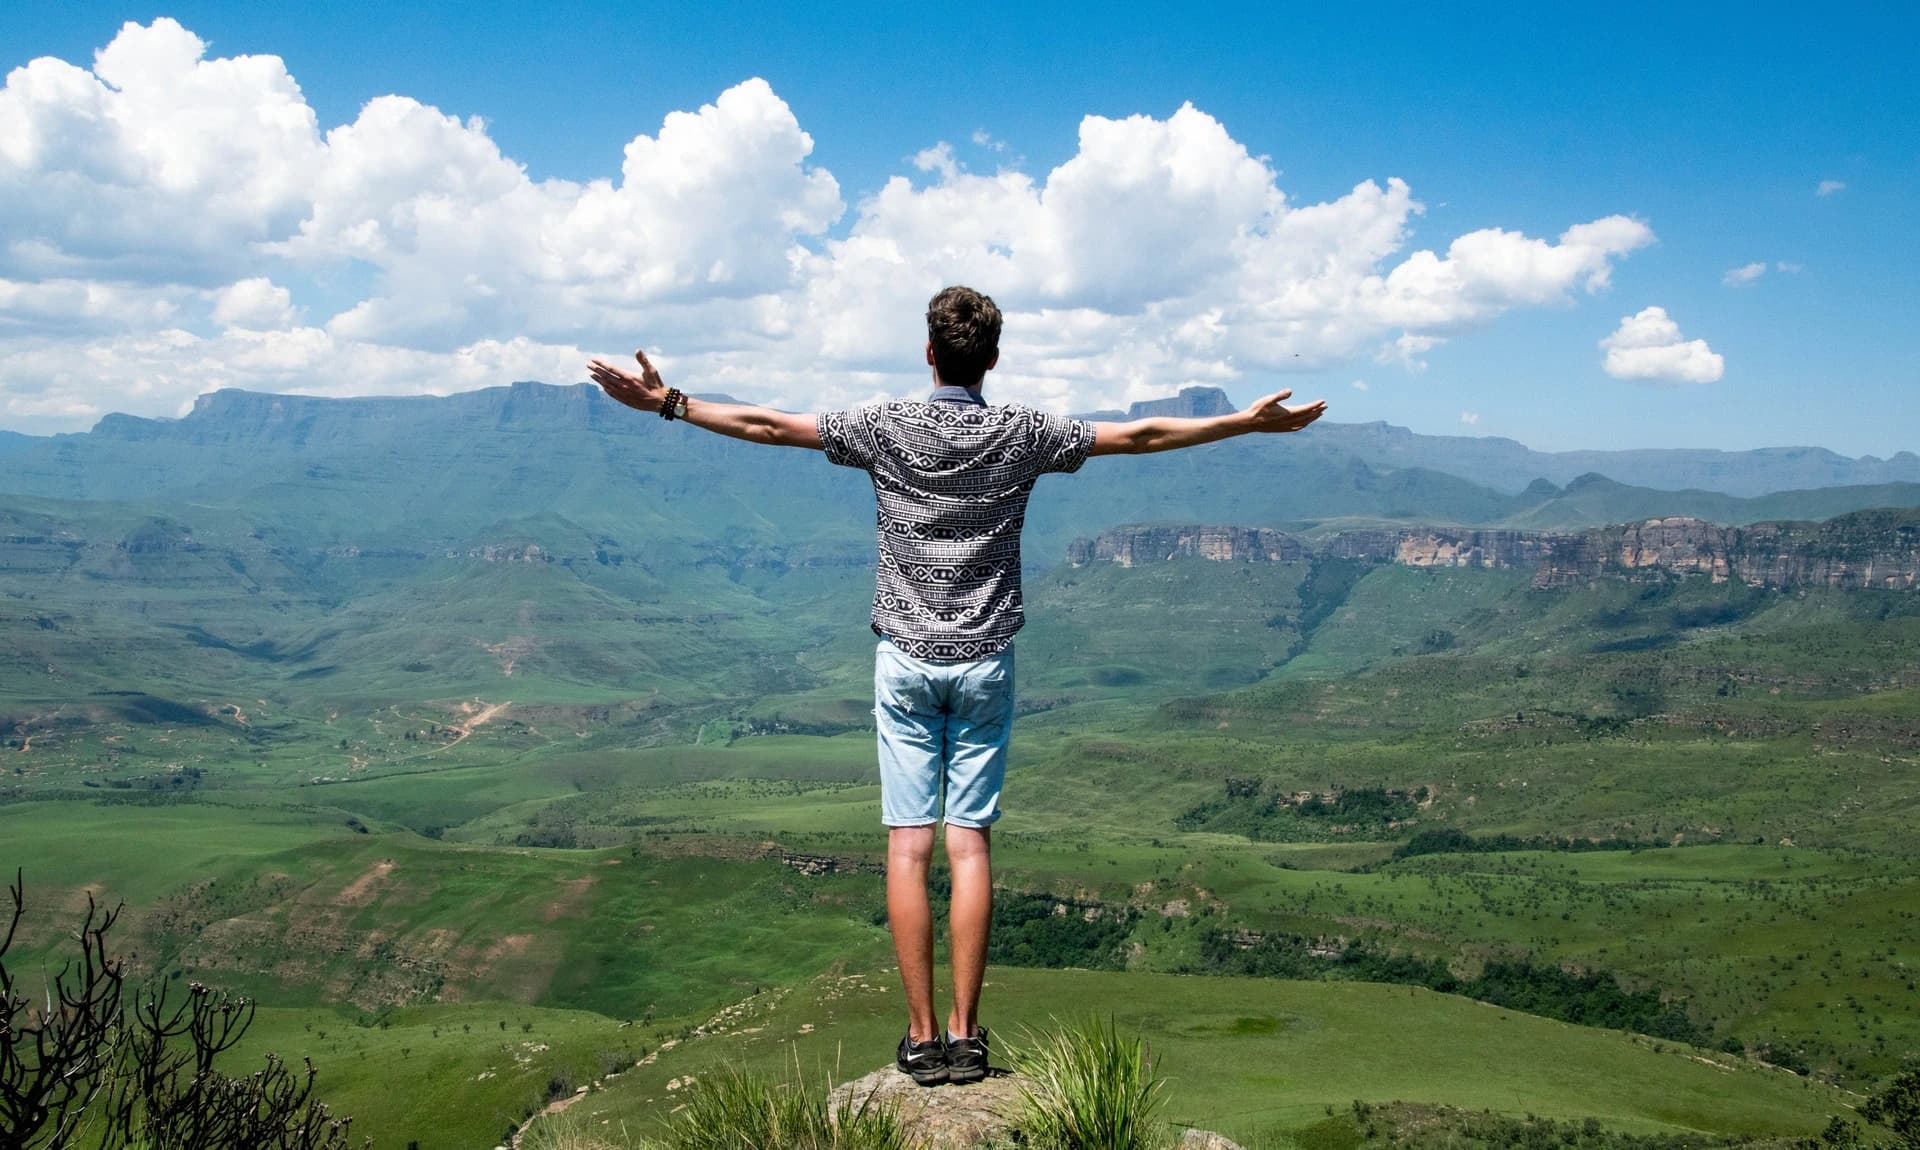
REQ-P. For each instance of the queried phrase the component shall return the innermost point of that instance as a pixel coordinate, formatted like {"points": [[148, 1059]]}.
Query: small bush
{"points": [[1088, 1088], [88, 1061]]}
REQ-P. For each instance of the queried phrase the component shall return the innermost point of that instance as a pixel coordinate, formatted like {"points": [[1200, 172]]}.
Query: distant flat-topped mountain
{"points": [[1190, 403]]}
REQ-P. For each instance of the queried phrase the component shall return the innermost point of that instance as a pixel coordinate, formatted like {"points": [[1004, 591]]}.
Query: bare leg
{"points": [[971, 917], [909, 850]]}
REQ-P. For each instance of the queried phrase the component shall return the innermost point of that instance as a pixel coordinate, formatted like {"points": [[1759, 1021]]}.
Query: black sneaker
{"points": [[926, 1061], [967, 1057]]}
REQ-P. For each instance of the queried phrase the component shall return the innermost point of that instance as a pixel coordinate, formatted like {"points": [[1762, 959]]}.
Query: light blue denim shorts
{"points": [[943, 729]]}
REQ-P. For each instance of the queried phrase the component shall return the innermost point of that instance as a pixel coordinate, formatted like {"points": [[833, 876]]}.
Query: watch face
{"points": [[680, 410]]}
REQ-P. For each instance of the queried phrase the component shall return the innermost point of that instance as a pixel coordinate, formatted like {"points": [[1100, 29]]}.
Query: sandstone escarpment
{"points": [[1862, 550], [1868, 549], [1132, 546]]}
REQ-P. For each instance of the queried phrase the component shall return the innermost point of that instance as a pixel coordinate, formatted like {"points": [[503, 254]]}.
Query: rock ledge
{"points": [[964, 1117]]}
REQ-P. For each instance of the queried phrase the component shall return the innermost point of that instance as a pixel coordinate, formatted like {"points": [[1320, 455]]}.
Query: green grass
{"points": [[446, 1076], [1242, 1056]]}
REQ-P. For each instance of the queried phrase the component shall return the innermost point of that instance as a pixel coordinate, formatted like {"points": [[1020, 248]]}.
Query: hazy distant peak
{"points": [[15, 443], [1191, 403]]}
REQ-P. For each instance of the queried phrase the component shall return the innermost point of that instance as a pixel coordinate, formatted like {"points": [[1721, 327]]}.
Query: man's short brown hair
{"points": [[964, 328]]}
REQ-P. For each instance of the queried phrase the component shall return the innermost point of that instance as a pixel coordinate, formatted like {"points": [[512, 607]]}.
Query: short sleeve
{"points": [[847, 436], [1062, 444]]}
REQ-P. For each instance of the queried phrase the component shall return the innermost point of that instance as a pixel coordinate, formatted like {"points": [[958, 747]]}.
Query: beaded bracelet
{"points": [[673, 400]]}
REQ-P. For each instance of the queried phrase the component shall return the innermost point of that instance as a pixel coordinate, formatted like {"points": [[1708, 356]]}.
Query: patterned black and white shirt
{"points": [[951, 478]]}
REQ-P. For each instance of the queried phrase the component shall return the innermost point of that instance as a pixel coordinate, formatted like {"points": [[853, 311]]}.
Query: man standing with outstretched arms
{"points": [[951, 476]]}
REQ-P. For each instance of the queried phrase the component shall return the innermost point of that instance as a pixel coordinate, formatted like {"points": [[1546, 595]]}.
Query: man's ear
{"points": [[990, 363], [929, 353]]}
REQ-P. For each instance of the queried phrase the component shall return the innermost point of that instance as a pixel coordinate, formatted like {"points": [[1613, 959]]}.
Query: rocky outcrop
{"points": [[972, 1117], [1865, 549], [1132, 546], [938, 1117], [815, 865], [506, 553]]}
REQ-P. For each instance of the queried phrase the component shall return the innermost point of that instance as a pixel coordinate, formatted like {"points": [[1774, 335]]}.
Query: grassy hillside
{"points": [[1250, 1057]]}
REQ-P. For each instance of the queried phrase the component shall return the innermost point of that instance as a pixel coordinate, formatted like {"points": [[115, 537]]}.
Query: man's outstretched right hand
{"points": [[1272, 413]]}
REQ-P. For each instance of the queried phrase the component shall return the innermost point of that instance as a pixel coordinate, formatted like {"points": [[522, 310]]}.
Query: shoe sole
{"points": [[927, 1077], [965, 1076]]}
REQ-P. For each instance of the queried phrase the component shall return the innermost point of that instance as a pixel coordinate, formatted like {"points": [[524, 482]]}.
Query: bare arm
{"points": [[648, 392], [1167, 433]]}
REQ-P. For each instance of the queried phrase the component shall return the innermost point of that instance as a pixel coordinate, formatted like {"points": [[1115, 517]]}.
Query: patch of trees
{"points": [[1489, 1131], [1897, 1108], [185, 777], [1041, 930], [1328, 583], [89, 1061], [1452, 840], [1594, 998], [556, 835], [1251, 808]]}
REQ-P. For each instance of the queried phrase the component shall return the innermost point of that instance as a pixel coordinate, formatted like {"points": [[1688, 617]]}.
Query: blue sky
{"points": [[1710, 129]]}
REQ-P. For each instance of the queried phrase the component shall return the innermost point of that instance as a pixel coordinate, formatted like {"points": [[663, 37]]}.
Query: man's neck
{"points": [[948, 393]]}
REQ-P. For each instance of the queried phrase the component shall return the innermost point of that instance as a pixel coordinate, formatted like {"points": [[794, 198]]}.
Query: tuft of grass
{"points": [[737, 1110], [1088, 1088], [562, 1132]]}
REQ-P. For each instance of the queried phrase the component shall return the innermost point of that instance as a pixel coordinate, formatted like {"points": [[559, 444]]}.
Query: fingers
{"points": [[618, 384], [1277, 416]]}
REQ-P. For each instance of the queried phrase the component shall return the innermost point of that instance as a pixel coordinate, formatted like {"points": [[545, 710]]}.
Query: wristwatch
{"points": [[675, 405]]}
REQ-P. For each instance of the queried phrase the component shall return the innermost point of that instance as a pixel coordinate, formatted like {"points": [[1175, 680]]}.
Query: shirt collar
{"points": [[948, 393]]}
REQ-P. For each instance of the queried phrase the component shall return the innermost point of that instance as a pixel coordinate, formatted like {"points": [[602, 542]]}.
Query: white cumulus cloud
{"points": [[169, 215], [1648, 346], [256, 303], [156, 164], [1744, 274], [1829, 187]]}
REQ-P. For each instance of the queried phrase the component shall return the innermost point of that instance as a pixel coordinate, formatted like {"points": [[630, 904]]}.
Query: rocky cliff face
{"points": [[1132, 546], [1435, 547], [1866, 549], [1869, 549]]}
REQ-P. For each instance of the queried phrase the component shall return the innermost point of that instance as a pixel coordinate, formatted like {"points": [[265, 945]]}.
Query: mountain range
{"points": [[1507, 465], [379, 548], [513, 464]]}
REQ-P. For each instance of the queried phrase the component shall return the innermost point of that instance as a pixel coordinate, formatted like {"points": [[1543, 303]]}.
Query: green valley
{"points": [[502, 746]]}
